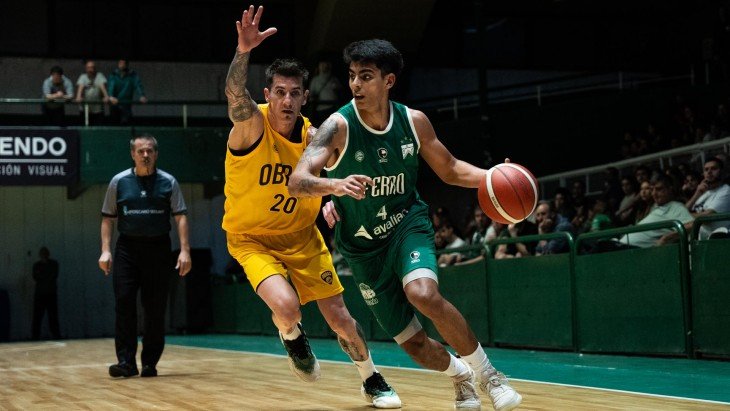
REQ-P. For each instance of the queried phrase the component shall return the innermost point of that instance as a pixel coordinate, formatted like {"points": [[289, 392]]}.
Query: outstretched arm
{"points": [[305, 180], [242, 110], [449, 169]]}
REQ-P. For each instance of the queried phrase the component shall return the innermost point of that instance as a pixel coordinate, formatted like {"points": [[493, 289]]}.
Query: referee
{"points": [[142, 199]]}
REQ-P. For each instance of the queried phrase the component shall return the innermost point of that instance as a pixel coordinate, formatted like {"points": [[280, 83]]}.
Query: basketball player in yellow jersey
{"points": [[273, 235]]}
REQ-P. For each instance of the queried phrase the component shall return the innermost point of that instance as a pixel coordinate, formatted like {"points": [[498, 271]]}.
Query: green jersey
{"points": [[390, 158]]}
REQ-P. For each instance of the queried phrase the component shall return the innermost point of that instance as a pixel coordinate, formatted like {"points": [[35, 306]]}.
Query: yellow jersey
{"points": [[257, 200]]}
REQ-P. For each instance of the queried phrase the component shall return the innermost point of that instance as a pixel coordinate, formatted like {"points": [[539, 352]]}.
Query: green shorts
{"points": [[382, 277]]}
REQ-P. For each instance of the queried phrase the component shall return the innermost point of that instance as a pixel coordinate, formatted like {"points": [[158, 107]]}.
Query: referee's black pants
{"points": [[141, 263]]}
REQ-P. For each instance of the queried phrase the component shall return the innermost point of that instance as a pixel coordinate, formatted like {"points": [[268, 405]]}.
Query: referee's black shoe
{"points": [[123, 369], [148, 371]]}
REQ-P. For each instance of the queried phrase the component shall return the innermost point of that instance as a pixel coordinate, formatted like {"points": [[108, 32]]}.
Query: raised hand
{"points": [[249, 35]]}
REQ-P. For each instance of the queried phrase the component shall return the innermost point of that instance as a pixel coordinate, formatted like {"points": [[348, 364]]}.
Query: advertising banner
{"points": [[39, 157]]}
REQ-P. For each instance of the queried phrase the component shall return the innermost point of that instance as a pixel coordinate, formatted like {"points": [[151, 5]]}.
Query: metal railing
{"points": [[699, 221], [541, 89], [593, 177], [184, 106]]}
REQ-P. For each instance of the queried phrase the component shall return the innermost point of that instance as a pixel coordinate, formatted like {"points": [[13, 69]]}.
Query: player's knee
{"points": [[343, 325], [287, 311], [416, 346], [424, 296]]}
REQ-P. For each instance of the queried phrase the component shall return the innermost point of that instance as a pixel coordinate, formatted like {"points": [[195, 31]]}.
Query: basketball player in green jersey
{"points": [[385, 233]]}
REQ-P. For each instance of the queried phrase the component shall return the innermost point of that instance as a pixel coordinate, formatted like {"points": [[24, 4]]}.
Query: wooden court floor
{"points": [[72, 375]]}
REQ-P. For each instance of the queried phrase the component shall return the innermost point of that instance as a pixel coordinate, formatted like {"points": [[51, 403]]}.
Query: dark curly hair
{"points": [[382, 53]]}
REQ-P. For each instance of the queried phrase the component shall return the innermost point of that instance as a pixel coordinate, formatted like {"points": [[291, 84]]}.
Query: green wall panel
{"points": [[465, 286], [194, 155], [630, 301], [711, 297], [314, 323], [530, 299], [104, 153], [224, 313]]}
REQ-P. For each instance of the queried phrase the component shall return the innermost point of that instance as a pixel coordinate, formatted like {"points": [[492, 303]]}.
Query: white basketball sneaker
{"points": [[504, 397], [466, 393], [379, 392]]}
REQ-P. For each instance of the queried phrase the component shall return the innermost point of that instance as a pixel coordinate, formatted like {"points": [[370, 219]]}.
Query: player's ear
{"points": [[267, 93], [389, 80], [306, 97]]}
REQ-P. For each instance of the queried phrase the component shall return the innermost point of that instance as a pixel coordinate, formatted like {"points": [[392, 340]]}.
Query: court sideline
{"points": [[227, 372]]}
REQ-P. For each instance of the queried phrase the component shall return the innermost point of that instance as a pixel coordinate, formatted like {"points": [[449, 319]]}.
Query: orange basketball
{"points": [[508, 193]]}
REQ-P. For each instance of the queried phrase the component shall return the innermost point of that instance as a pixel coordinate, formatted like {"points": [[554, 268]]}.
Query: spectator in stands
{"points": [[124, 84], [712, 196], [57, 90], [641, 174], [578, 193], [645, 203], [562, 203], [439, 215], [627, 207], [493, 231], [548, 221], [516, 250], [594, 218], [678, 179], [701, 135], [691, 180], [324, 92], [665, 209], [91, 89], [438, 241], [715, 133], [683, 169], [656, 140], [612, 192], [481, 226], [452, 240], [724, 158], [599, 216]]}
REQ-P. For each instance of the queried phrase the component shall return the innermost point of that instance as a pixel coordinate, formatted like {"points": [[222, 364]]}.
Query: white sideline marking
{"points": [[510, 378], [97, 365]]}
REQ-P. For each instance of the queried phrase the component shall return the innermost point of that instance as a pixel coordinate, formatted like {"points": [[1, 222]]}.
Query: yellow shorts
{"points": [[301, 256]]}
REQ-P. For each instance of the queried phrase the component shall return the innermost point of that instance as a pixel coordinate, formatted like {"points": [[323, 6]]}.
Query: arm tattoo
{"points": [[350, 347], [322, 139], [317, 148], [240, 104]]}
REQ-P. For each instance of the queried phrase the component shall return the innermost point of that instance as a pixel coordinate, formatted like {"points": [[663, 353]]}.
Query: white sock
{"points": [[456, 367], [479, 362], [293, 335], [366, 368]]}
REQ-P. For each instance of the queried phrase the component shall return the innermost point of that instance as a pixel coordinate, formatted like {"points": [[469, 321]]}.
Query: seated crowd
{"points": [[647, 196]]}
